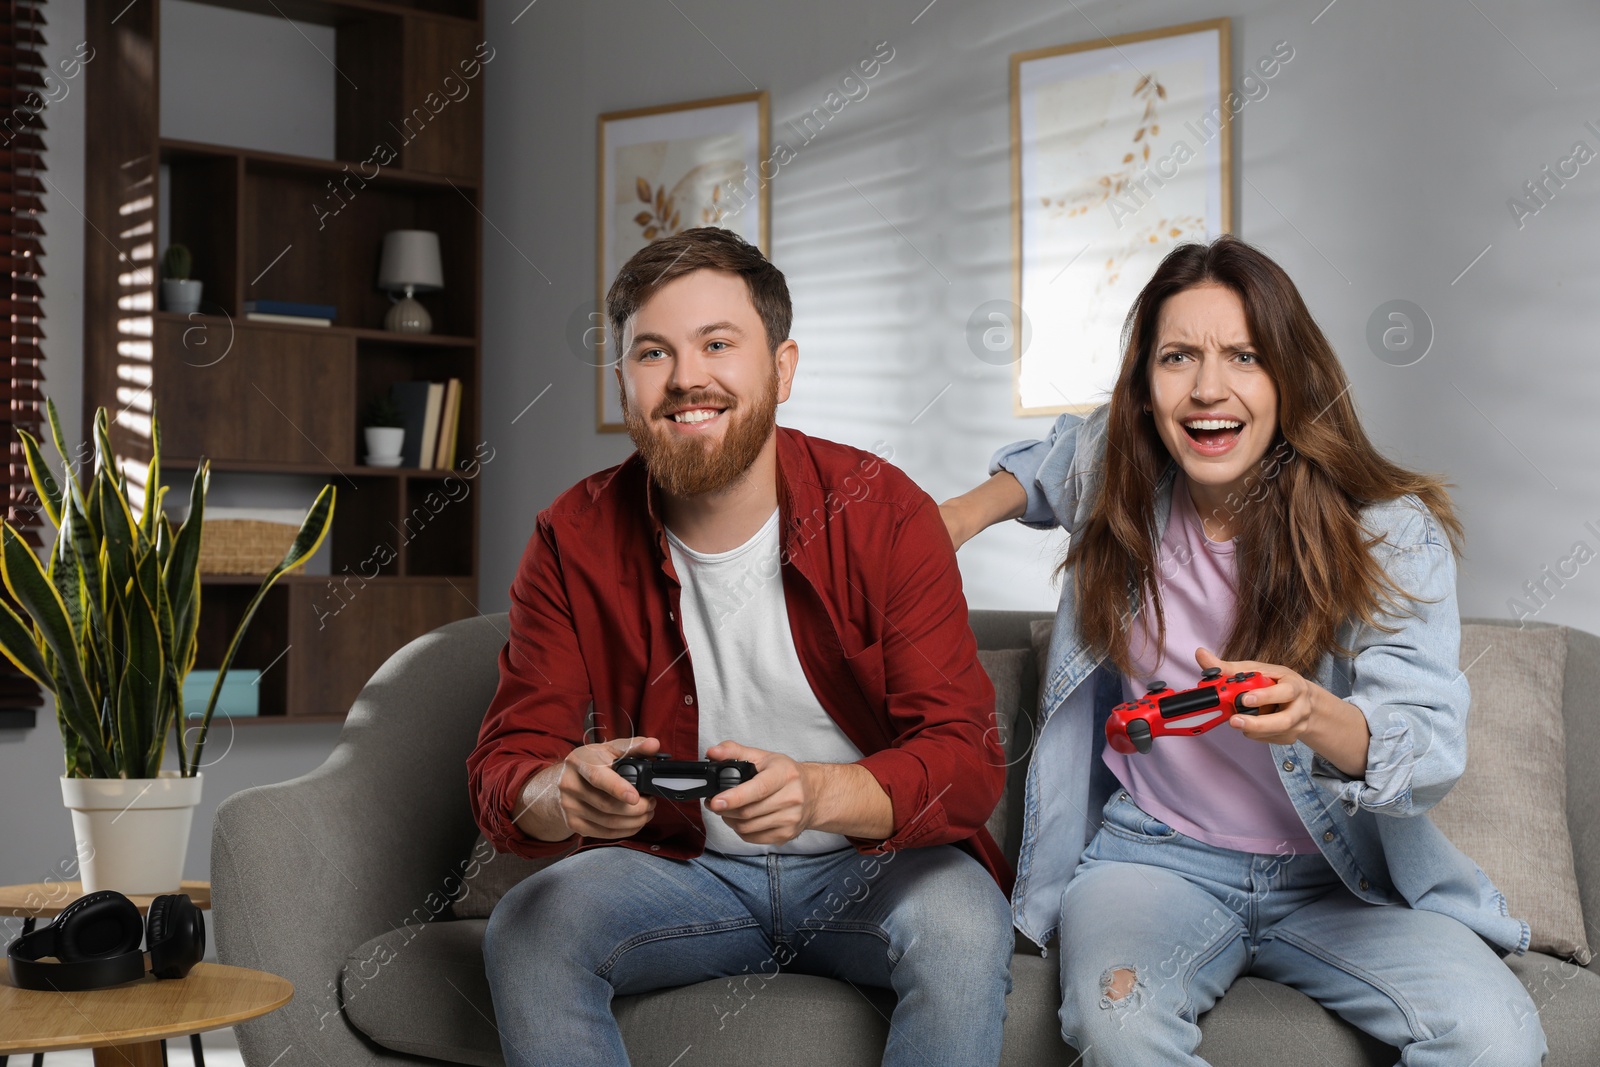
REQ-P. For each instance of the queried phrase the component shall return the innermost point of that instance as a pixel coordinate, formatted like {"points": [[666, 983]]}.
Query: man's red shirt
{"points": [[879, 624]]}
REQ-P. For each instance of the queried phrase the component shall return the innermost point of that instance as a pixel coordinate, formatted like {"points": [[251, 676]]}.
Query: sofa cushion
{"points": [[1039, 631], [489, 875], [422, 990], [1008, 669], [1509, 810], [496, 872]]}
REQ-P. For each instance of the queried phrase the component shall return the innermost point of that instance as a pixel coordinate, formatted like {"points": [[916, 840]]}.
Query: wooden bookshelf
{"points": [[259, 398]]}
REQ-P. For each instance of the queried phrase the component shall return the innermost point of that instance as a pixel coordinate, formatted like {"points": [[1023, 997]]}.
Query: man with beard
{"points": [[739, 590]]}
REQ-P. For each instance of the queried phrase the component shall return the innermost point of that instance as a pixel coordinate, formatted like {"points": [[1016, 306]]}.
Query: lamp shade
{"points": [[411, 257]]}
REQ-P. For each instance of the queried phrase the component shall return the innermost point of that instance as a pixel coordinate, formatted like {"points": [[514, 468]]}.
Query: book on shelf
{"points": [[430, 424], [293, 320], [292, 307], [445, 455], [431, 414], [412, 400]]}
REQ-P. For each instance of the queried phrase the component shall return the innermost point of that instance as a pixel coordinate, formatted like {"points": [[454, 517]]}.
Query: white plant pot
{"points": [[181, 294], [133, 833], [385, 441]]}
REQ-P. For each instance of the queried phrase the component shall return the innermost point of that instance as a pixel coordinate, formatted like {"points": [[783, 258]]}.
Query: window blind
{"points": [[22, 367]]}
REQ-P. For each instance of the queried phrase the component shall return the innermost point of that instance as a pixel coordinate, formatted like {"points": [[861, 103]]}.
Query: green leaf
{"points": [[27, 583], [66, 574], [111, 489], [315, 527], [105, 456], [67, 470], [105, 460], [18, 644], [166, 537], [150, 521], [183, 565], [91, 514], [43, 483], [153, 490], [146, 668], [173, 669], [127, 748], [93, 642], [80, 542], [118, 531], [77, 761]]}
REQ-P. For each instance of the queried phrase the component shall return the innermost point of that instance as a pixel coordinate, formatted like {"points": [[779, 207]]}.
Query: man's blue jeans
{"points": [[928, 923], [1156, 925]]}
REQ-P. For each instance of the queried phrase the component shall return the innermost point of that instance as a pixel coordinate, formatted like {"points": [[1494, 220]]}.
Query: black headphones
{"points": [[96, 939]]}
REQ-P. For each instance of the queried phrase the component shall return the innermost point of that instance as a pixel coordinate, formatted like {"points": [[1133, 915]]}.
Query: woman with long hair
{"points": [[1226, 510]]}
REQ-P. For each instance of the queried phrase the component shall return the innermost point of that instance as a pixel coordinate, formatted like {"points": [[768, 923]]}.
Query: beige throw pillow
{"points": [[1509, 810]]}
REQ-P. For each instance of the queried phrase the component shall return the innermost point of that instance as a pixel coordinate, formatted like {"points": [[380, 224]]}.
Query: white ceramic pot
{"points": [[385, 441], [132, 832], [181, 294]]}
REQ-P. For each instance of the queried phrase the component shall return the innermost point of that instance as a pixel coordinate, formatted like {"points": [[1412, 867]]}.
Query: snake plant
{"points": [[111, 620]]}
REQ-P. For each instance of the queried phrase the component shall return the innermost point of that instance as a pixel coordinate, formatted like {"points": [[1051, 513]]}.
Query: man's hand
{"points": [[1295, 708], [583, 795], [773, 807], [787, 797]]}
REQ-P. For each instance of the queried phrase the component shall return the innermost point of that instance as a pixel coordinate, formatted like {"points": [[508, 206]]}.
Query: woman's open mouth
{"points": [[1213, 437]]}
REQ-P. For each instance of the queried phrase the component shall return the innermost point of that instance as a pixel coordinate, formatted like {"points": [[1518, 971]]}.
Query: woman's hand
{"points": [[1001, 497], [1297, 709]]}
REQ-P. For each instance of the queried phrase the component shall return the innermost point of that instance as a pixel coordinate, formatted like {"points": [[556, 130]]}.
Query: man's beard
{"points": [[687, 466]]}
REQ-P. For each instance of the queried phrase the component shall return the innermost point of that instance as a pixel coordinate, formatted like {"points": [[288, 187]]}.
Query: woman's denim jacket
{"points": [[1373, 829]]}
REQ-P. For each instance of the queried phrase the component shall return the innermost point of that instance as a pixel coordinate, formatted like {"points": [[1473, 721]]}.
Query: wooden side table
{"points": [[32, 901], [126, 1024], [44, 900]]}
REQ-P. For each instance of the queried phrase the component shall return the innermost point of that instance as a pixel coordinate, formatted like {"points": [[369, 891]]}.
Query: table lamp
{"points": [[410, 265]]}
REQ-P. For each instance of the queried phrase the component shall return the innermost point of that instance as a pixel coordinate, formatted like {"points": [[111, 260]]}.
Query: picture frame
{"points": [[1120, 151], [664, 169]]}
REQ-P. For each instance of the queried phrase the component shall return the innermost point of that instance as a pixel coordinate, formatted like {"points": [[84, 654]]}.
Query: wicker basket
{"points": [[243, 546]]}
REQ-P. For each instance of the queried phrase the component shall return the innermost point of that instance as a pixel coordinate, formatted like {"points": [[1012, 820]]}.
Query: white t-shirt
{"points": [[747, 674]]}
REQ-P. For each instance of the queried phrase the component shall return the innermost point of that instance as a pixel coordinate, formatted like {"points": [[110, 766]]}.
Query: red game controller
{"points": [[1134, 726]]}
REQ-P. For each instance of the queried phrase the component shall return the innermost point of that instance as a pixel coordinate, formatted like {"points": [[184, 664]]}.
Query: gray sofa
{"points": [[342, 881]]}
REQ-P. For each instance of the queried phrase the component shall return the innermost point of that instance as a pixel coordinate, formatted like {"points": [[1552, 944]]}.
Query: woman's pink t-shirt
{"points": [[1220, 787]]}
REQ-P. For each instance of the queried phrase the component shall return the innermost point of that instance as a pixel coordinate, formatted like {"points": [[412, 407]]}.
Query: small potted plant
{"points": [[179, 292], [385, 430], [109, 624]]}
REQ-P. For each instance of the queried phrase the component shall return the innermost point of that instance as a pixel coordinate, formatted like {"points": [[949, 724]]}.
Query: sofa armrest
{"points": [[305, 871]]}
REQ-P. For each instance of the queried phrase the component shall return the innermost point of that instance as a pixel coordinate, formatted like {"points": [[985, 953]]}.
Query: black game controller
{"points": [[663, 776]]}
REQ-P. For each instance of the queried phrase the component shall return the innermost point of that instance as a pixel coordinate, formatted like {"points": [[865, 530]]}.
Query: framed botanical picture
{"points": [[671, 168], [1119, 152]]}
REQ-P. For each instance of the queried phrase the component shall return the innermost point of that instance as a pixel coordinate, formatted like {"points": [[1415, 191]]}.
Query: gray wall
{"points": [[1377, 167]]}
